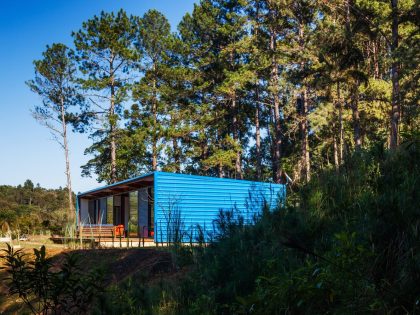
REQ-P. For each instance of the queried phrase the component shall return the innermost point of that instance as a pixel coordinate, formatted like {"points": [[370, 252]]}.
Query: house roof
{"points": [[120, 187]]}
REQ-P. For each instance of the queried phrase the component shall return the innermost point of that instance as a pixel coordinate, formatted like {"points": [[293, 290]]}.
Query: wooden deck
{"points": [[107, 241], [126, 242], [104, 236]]}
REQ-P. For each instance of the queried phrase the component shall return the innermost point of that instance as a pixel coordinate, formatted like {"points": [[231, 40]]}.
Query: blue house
{"points": [[167, 206]]}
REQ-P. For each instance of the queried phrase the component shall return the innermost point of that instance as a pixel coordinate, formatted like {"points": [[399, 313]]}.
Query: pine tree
{"points": [[247, 89], [215, 30], [55, 83], [303, 27], [153, 42], [105, 51]]}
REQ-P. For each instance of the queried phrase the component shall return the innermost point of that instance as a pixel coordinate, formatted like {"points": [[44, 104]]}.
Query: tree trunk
{"points": [[177, 158], [235, 128], [395, 111], [306, 163], [154, 130], [272, 136], [238, 164], [335, 147], [258, 157], [356, 117], [375, 59], [71, 215], [276, 106], [113, 151], [304, 115], [257, 134], [112, 128], [203, 153], [340, 123], [348, 28], [220, 170]]}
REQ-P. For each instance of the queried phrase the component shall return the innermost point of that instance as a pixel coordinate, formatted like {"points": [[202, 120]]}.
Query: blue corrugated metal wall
{"points": [[188, 201]]}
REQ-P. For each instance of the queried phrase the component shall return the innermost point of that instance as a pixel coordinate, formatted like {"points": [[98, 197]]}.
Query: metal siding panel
{"points": [[143, 198], [155, 201], [199, 199]]}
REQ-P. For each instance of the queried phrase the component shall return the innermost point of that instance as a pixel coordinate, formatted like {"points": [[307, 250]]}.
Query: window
{"points": [[110, 210], [92, 212], [133, 221]]}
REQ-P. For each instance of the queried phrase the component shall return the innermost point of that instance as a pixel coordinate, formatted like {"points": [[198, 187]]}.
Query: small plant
{"points": [[174, 221], [44, 290]]}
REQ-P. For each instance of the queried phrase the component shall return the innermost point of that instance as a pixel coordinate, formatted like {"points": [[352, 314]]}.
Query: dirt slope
{"points": [[117, 265]]}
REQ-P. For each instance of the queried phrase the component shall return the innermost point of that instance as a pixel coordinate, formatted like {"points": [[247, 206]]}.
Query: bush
{"points": [[346, 243], [349, 246], [67, 290]]}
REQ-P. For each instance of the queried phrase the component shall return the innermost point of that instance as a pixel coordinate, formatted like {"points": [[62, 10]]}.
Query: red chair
{"points": [[119, 230]]}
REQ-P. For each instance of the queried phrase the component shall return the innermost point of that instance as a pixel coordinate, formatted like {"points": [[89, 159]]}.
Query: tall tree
{"points": [[395, 112], [214, 32], [55, 83], [106, 53], [303, 60], [275, 28], [153, 42], [247, 89]]}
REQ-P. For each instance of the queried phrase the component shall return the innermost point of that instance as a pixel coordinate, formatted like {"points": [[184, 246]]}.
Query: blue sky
{"points": [[26, 27]]}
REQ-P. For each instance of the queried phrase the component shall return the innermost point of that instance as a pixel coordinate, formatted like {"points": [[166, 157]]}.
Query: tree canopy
{"points": [[247, 89]]}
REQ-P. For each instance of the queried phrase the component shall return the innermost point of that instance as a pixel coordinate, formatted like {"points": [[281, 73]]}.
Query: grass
{"points": [[346, 243]]}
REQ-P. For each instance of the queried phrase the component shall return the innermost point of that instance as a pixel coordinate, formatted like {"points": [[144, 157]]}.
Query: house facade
{"points": [[169, 207]]}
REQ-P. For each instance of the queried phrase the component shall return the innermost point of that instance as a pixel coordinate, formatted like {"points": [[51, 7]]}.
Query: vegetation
{"points": [[322, 92], [46, 291], [28, 208], [244, 89], [54, 83], [346, 243]]}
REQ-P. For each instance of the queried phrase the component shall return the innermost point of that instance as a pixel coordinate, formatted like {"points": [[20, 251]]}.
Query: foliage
{"points": [[244, 88], [252, 89], [346, 243], [105, 54], [55, 83], [31, 208], [44, 290]]}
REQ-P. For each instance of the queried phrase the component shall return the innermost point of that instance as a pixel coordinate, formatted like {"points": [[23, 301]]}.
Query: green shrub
{"points": [[45, 289], [346, 243]]}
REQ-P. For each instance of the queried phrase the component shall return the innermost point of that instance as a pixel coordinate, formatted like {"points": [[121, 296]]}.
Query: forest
{"points": [[29, 208], [243, 89], [321, 95]]}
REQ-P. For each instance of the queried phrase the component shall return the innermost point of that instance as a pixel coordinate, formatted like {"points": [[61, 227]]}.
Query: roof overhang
{"points": [[120, 187]]}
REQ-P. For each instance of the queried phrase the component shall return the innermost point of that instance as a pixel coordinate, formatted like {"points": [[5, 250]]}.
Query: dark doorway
{"points": [[120, 211], [117, 215]]}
